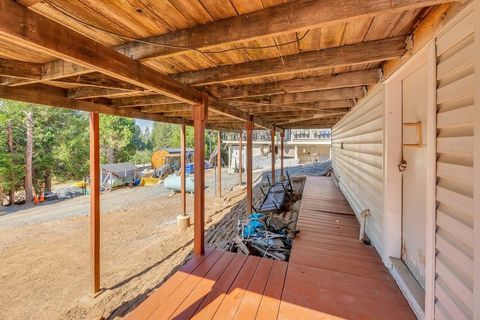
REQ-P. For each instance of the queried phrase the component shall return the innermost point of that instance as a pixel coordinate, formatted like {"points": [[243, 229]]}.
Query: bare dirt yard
{"points": [[44, 264]]}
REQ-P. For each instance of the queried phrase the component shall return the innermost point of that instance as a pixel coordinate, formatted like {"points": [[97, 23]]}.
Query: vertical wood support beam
{"points": [[249, 129], [272, 134], [240, 159], [95, 201], [219, 164], [200, 114], [282, 138], [183, 159]]}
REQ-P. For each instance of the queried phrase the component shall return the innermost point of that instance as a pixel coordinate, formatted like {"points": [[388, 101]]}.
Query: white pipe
{"points": [[363, 221]]}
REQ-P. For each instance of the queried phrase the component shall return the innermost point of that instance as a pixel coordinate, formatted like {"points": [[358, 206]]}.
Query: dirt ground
{"points": [[45, 270]]}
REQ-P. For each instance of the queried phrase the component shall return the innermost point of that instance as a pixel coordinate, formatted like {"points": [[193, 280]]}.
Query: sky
{"points": [[143, 124]]}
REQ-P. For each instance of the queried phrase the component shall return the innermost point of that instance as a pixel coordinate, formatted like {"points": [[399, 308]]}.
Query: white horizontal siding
{"points": [[454, 263], [357, 159]]}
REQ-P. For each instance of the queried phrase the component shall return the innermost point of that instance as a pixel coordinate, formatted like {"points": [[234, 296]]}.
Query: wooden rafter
{"points": [[20, 69], [94, 92], [320, 105], [341, 80], [142, 101], [303, 97], [360, 53]]}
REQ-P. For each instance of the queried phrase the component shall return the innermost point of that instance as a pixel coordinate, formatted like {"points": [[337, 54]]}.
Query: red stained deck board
{"points": [[253, 296], [235, 294], [176, 298], [195, 298], [214, 298], [270, 303]]}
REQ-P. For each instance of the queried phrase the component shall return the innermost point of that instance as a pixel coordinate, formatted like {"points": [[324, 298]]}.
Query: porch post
{"points": [[200, 114], [282, 138], [272, 134], [240, 158], [249, 129], [183, 159], [219, 164], [95, 201]]}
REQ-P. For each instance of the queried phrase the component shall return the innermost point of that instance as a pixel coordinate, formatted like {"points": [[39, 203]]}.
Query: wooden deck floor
{"points": [[330, 275]]}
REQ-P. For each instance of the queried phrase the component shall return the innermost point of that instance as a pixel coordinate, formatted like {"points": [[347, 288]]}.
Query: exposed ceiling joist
{"points": [[94, 92], [142, 101], [341, 80], [303, 97], [320, 105], [360, 53], [29, 28], [166, 108], [20, 69]]}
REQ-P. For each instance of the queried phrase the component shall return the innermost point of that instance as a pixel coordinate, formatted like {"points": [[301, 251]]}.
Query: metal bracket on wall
{"points": [[418, 126]]}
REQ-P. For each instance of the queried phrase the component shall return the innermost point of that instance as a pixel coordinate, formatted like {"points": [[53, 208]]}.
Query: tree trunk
{"points": [[29, 159], [48, 181], [11, 192]]}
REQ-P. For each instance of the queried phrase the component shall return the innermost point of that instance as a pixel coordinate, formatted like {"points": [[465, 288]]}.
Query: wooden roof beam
{"points": [[304, 97], [142, 101], [359, 53], [282, 19], [94, 92], [340, 80], [20, 69], [166, 108], [29, 28], [319, 105], [54, 70], [311, 118]]}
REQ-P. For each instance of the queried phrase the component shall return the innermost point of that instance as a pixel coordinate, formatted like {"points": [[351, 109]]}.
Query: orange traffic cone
{"points": [[35, 199], [42, 197]]}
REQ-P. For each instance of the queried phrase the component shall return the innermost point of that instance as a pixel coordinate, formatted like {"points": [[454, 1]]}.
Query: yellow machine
{"points": [[166, 161], [165, 156]]}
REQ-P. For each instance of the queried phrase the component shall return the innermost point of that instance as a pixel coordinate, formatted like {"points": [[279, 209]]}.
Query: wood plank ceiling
{"points": [[292, 64]]}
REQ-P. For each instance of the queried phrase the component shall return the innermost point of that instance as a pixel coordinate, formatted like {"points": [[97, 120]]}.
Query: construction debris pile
{"points": [[264, 235]]}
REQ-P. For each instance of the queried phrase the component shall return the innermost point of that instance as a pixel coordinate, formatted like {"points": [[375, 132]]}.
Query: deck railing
{"points": [[290, 135]]}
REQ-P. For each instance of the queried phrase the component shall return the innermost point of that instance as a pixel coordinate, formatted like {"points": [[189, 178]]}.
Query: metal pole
{"points": [[95, 201]]}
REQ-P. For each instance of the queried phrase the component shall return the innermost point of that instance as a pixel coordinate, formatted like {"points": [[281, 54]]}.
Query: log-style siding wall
{"points": [[454, 263], [357, 157]]}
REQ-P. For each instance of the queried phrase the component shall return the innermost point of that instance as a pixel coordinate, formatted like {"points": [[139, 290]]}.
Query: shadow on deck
{"points": [[330, 275]]}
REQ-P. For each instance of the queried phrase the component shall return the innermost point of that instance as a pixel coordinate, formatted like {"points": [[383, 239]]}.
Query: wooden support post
{"points": [[249, 129], [272, 133], [183, 172], [95, 201], [219, 164], [240, 159], [282, 138], [200, 114]]}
